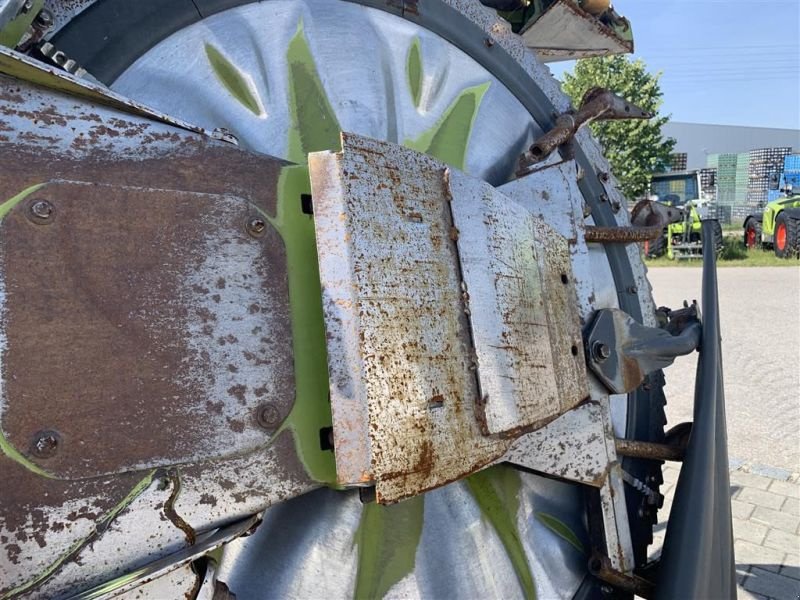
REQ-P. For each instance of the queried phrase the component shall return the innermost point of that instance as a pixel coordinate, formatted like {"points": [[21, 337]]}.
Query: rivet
{"points": [[256, 226], [45, 444], [268, 416], [41, 210], [632, 289], [489, 42], [603, 176], [603, 197]]}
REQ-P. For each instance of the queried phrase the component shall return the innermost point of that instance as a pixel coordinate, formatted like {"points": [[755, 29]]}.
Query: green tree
{"points": [[636, 148]]}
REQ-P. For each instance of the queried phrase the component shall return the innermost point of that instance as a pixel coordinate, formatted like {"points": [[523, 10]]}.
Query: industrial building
{"points": [[735, 162]]}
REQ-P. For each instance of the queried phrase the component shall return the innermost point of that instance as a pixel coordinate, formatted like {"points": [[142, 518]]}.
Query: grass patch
{"points": [[734, 254]]}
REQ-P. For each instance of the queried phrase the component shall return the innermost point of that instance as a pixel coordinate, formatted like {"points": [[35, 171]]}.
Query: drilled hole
{"points": [[306, 205], [564, 279], [574, 350]]}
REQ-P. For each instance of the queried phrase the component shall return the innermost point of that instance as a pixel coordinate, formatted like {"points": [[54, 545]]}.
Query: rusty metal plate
{"points": [[565, 32], [447, 314], [402, 369], [523, 309], [142, 327]]}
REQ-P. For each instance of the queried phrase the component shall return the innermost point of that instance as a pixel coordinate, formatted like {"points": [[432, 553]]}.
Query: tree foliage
{"points": [[635, 148]]}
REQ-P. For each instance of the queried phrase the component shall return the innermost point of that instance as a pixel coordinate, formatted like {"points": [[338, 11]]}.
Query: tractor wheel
{"points": [[752, 234], [787, 236]]}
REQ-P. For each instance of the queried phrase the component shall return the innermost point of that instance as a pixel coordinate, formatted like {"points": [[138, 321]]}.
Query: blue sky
{"points": [[731, 62]]}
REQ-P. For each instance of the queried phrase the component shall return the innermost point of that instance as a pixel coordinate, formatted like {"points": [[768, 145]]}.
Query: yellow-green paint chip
{"points": [[231, 77]]}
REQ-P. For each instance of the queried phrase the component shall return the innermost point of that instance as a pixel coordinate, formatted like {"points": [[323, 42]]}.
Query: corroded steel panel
{"points": [[134, 314], [522, 308], [449, 312], [403, 382]]}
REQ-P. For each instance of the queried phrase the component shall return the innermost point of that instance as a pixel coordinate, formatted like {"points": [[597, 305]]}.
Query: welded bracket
{"points": [[621, 352]]}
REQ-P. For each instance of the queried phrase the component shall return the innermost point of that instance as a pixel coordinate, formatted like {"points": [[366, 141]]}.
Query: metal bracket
{"points": [[621, 352], [598, 104]]}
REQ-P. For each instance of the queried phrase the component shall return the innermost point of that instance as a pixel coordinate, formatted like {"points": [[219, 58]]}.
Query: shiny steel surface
{"points": [[361, 57]]}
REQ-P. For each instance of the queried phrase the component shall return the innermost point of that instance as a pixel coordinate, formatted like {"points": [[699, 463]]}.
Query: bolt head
{"points": [[256, 226], [268, 416], [42, 209], [45, 444], [601, 351]]}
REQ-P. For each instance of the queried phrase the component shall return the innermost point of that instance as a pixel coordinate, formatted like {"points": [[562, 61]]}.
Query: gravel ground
{"points": [[760, 319]]}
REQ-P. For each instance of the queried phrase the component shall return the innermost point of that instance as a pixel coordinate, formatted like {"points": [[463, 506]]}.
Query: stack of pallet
{"points": [[678, 161], [726, 165], [763, 162]]}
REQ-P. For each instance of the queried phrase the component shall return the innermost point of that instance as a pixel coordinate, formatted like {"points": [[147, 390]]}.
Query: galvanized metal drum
{"points": [[240, 424]]}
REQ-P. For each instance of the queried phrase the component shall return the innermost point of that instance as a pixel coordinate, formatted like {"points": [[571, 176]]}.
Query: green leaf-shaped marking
{"points": [[448, 139], [238, 84], [314, 124], [414, 71], [561, 529], [496, 490], [387, 540]]}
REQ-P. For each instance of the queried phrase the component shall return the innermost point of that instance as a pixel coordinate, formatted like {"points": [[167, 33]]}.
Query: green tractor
{"points": [[778, 226], [682, 239]]}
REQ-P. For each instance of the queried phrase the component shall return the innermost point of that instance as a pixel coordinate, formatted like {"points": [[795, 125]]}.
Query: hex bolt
{"points": [[256, 226], [45, 444], [42, 210], [603, 176], [268, 416], [601, 351]]}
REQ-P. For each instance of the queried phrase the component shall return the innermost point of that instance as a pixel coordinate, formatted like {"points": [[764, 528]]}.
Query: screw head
{"points": [[42, 210], [45, 444], [601, 351], [256, 226], [268, 416]]}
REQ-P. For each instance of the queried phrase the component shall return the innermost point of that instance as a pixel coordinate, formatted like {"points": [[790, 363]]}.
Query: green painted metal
{"points": [[773, 209], [387, 540], [414, 71], [497, 490], [314, 124], [12, 33], [448, 139], [237, 83], [312, 409], [561, 529], [75, 548]]}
